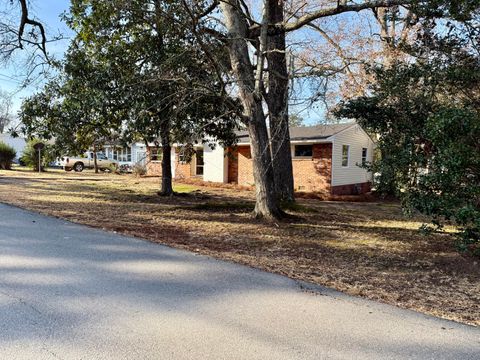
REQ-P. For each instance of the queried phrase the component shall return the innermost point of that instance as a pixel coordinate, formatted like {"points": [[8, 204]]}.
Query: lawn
{"points": [[367, 249]]}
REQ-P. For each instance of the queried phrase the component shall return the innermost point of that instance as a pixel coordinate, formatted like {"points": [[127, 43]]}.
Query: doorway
{"points": [[199, 162]]}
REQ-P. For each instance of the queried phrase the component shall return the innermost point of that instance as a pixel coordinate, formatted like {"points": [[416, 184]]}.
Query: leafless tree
{"points": [[20, 31], [5, 110], [24, 42], [256, 41], [333, 59]]}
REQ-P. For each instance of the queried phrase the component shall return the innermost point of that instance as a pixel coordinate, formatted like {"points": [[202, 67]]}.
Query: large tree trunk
{"points": [[266, 200], [277, 101], [167, 188], [266, 205]]}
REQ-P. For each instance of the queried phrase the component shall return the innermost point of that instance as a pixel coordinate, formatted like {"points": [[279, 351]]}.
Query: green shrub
{"points": [[113, 168], [7, 154], [30, 155]]}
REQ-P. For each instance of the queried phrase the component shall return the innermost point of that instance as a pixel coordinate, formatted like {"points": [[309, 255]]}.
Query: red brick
{"points": [[352, 189], [181, 171], [309, 174]]}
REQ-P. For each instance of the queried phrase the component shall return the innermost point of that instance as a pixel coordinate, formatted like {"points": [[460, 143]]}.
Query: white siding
{"points": [[173, 161], [215, 166], [138, 153], [17, 143], [357, 139]]}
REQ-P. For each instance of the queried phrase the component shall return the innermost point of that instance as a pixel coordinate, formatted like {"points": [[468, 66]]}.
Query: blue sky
{"points": [[48, 12]]}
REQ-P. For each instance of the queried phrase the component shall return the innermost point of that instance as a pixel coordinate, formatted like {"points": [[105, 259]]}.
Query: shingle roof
{"points": [[299, 133]]}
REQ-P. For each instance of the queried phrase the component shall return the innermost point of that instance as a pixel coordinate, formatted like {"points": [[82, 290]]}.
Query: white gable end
{"points": [[356, 139]]}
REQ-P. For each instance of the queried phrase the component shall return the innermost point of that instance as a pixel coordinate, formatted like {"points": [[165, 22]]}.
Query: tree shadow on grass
{"points": [[63, 283]]}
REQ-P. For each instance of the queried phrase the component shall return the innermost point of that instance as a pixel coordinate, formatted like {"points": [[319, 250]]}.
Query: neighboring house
{"points": [[135, 153], [325, 158], [17, 143]]}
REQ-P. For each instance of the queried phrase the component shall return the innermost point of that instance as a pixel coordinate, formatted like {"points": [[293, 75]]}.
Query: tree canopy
{"points": [[131, 72], [427, 116]]}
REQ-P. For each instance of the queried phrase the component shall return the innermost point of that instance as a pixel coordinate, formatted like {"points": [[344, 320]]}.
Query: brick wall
{"points": [[154, 168], [183, 171], [245, 166], [352, 189], [232, 155], [314, 174], [309, 174]]}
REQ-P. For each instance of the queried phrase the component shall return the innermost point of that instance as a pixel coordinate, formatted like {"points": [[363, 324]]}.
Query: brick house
{"points": [[325, 158]]}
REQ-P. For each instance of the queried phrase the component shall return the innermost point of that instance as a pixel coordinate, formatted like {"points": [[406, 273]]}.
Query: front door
{"points": [[199, 162]]}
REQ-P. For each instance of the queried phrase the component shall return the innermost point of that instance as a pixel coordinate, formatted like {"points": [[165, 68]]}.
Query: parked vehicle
{"points": [[125, 167], [87, 162]]}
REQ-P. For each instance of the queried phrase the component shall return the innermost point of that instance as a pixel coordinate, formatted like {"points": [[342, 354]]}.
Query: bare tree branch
{"points": [[326, 12], [26, 20]]}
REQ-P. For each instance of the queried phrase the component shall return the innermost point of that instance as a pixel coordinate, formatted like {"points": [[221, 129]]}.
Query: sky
{"points": [[48, 12]]}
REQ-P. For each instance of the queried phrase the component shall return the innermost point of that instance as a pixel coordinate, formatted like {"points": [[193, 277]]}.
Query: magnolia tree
{"points": [[133, 72], [427, 116]]}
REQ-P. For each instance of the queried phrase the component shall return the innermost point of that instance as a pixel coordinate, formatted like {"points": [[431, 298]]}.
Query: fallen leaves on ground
{"points": [[367, 249]]}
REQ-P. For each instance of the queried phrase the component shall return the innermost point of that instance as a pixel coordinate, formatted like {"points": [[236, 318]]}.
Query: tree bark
{"points": [[266, 205], [95, 163], [266, 201], [277, 101], [167, 188]]}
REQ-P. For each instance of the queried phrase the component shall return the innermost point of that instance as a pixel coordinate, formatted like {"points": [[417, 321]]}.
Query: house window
{"points": [[125, 154], [155, 154], [364, 156], [303, 151], [182, 158], [345, 154]]}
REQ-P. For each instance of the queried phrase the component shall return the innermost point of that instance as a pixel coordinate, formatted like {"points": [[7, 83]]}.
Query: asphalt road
{"points": [[72, 292]]}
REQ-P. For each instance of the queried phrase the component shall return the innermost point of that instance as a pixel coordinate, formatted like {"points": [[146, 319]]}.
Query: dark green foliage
{"points": [[451, 187], [7, 154], [133, 72], [427, 116], [30, 155]]}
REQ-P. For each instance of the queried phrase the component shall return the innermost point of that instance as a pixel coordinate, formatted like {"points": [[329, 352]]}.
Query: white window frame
{"points": [[126, 154], [348, 155]]}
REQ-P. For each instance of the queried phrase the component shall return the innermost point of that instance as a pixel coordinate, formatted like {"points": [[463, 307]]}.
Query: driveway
{"points": [[71, 292]]}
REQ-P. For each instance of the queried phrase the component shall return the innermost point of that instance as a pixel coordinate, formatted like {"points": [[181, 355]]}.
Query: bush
{"points": [[113, 168], [30, 155], [139, 170], [7, 154]]}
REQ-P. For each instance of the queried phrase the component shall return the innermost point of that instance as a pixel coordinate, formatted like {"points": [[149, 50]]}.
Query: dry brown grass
{"points": [[362, 248]]}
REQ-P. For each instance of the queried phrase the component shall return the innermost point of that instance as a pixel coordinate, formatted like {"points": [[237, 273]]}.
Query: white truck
{"points": [[70, 163]]}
